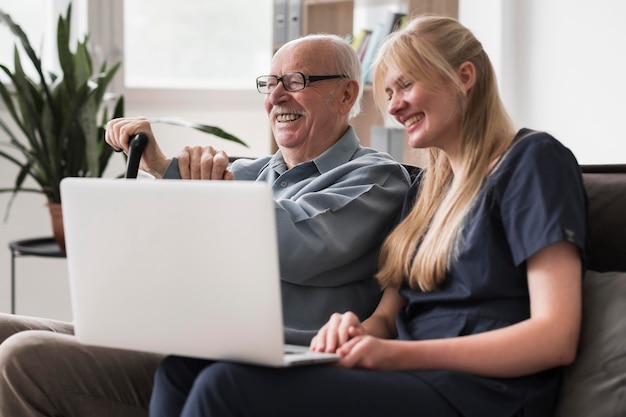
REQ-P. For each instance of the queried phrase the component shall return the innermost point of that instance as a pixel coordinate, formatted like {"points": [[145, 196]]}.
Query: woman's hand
{"points": [[338, 330], [369, 352], [342, 328]]}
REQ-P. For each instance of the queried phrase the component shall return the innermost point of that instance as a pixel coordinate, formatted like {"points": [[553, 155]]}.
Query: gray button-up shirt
{"points": [[332, 215]]}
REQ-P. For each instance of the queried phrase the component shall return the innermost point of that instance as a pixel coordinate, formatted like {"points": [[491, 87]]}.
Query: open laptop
{"points": [[177, 267]]}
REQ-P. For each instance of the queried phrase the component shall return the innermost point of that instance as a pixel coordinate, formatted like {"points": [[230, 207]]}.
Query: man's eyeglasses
{"points": [[293, 81]]}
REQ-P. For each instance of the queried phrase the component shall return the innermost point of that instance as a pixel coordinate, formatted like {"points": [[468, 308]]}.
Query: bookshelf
{"points": [[344, 18], [327, 16]]}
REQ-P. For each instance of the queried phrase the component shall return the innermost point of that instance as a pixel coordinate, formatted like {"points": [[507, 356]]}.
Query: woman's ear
{"points": [[467, 75]]}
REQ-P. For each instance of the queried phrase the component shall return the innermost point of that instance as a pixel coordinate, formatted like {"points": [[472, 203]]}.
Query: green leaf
{"points": [[66, 58], [19, 33], [213, 130], [10, 158]]}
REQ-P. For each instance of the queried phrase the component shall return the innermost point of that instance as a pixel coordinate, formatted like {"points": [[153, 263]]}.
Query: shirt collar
{"points": [[339, 153]]}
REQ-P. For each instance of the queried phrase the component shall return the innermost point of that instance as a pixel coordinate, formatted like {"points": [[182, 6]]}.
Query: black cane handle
{"points": [[135, 148]]}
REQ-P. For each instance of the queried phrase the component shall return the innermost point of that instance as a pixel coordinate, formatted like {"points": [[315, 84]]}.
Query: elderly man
{"points": [[334, 200]]}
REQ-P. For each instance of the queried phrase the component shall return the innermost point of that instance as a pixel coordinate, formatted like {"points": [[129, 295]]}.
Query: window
{"points": [[211, 44], [38, 19], [187, 44], [188, 55]]}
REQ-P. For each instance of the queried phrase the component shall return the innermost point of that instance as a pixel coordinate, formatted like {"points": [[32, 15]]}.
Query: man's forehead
{"points": [[304, 57]]}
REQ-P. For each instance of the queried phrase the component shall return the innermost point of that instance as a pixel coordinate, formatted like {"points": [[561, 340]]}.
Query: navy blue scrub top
{"points": [[534, 198]]}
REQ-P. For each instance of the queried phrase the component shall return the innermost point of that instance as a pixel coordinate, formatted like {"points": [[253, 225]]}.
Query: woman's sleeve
{"points": [[542, 197]]}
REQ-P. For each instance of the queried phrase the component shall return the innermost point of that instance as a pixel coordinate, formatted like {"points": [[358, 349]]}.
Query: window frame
{"points": [[106, 28]]}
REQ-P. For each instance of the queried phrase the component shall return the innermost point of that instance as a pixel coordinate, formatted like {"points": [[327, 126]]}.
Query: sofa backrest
{"points": [[594, 384], [606, 191]]}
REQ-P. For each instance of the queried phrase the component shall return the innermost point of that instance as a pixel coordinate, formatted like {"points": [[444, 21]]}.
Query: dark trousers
{"points": [[189, 387]]}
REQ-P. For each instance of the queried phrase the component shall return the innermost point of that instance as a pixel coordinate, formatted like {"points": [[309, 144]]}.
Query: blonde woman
{"points": [[482, 278]]}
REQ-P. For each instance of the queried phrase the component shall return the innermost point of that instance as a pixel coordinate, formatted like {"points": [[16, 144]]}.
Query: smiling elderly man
{"points": [[334, 201]]}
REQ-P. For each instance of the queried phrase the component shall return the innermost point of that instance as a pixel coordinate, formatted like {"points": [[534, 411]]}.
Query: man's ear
{"points": [[467, 75], [349, 95]]}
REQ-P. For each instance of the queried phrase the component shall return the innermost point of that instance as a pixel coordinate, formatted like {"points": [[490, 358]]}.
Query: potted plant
{"points": [[61, 117]]}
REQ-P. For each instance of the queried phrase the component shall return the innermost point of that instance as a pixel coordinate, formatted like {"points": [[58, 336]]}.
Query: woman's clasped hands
{"points": [[346, 335]]}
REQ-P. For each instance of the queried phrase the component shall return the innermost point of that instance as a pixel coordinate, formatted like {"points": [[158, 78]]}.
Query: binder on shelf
{"points": [[280, 22], [294, 19]]}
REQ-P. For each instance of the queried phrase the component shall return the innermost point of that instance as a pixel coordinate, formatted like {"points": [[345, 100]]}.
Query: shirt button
{"points": [[283, 184]]}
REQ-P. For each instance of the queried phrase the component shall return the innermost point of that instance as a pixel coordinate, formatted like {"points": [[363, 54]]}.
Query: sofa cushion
{"points": [[595, 384]]}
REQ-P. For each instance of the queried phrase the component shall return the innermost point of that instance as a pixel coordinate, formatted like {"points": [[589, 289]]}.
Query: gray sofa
{"points": [[595, 384]]}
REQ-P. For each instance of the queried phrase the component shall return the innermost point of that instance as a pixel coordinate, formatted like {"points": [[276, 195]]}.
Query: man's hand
{"points": [[118, 135], [203, 163]]}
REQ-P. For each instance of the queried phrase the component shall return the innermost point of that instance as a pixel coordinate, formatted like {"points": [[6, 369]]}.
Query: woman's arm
{"points": [[547, 339]]}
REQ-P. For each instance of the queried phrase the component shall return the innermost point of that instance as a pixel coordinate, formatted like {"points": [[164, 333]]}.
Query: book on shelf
{"points": [[378, 34], [394, 21], [358, 41], [365, 45]]}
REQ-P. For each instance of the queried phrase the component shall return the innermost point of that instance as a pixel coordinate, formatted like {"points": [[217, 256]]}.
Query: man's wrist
{"points": [[159, 170]]}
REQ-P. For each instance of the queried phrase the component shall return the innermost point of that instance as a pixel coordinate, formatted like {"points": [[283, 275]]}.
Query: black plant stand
{"points": [[42, 246]]}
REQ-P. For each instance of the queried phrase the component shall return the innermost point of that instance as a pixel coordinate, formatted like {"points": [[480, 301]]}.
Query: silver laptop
{"points": [[177, 267]]}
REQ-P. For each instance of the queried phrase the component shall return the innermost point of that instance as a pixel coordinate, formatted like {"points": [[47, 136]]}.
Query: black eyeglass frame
{"points": [[307, 80]]}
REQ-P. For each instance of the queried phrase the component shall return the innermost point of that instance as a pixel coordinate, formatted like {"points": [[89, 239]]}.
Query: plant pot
{"points": [[56, 216]]}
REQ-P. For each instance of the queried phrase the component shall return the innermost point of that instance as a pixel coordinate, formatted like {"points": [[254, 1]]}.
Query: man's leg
{"points": [[49, 374], [11, 324]]}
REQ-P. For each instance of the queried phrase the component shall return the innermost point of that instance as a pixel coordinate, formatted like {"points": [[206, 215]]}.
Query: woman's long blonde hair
{"points": [[431, 49]]}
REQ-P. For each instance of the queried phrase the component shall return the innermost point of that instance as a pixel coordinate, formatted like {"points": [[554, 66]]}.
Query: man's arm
{"points": [[330, 234]]}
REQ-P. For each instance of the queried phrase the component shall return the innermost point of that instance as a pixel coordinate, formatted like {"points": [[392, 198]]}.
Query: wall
{"points": [[560, 64]]}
